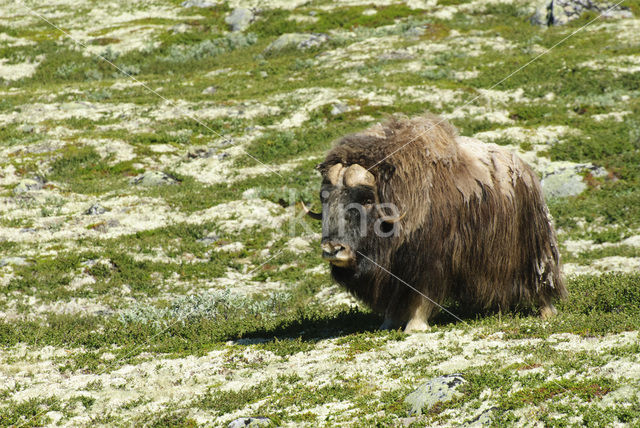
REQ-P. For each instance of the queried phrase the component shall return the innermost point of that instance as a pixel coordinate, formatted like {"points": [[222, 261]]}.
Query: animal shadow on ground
{"points": [[313, 328]]}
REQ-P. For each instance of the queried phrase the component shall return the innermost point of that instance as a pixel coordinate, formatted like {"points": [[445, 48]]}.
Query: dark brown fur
{"points": [[476, 228]]}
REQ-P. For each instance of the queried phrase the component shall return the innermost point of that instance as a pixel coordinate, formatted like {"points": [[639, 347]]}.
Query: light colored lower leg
{"points": [[547, 311], [420, 312]]}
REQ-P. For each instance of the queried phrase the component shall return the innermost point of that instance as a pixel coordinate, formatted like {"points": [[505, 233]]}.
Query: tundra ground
{"points": [[154, 266]]}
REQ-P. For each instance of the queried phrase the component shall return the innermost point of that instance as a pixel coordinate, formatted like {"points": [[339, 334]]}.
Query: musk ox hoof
{"points": [[548, 311], [389, 324], [416, 325]]}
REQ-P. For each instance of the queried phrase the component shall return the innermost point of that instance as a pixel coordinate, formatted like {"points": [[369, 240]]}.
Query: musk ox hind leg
{"points": [[547, 310], [389, 323]]}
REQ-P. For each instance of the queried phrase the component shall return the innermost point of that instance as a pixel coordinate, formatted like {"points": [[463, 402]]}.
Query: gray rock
{"points": [[239, 19], [209, 90], [249, 422], [201, 152], [563, 183], [208, 240], [264, 74], [197, 3], [298, 40], [27, 185], [153, 178], [559, 12], [15, 261], [339, 108], [95, 209], [542, 14], [442, 388]]}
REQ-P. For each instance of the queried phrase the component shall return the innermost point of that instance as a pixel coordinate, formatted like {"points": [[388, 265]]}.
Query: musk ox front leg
{"points": [[411, 310], [419, 312], [391, 319]]}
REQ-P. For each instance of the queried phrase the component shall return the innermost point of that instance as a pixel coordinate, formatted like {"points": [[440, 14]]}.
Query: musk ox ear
{"points": [[385, 172]]}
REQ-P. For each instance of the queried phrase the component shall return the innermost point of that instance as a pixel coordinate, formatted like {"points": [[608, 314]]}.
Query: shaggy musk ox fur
{"points": [[474, 224]]}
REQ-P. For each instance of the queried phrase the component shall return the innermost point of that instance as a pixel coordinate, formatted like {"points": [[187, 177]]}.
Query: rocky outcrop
{"points": [[559, 12]]}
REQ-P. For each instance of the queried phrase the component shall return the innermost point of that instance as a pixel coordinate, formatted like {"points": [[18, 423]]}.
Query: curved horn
{"points": [[386, 218], [307, 211]]}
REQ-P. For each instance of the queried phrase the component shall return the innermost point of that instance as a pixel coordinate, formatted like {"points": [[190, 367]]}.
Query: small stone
{"points": [[208, 240], [154, 178], [264, 74], [95, 209], [201, 152], [27, 185], [197, 3], [442, 388], [239, 19], [209, 90], [27, 129], [339, 108], [249, 422]]}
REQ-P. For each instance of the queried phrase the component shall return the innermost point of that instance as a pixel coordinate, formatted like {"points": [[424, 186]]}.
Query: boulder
{"points": [[239, 19], [559, 12], [441, 388], [153, 178]]}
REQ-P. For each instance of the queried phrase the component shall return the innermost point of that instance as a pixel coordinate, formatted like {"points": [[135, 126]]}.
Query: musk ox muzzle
{"points": [[338, 254], [472, 225]]}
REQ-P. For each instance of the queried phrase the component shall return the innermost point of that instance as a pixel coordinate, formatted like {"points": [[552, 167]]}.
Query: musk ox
{"points": [[413, 214]]}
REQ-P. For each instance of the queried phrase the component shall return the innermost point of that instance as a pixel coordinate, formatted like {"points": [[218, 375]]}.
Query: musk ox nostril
{"points": [[331, 248]]}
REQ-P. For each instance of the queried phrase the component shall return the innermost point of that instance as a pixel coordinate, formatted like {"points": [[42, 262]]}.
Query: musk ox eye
{"points": [[362, 196]]}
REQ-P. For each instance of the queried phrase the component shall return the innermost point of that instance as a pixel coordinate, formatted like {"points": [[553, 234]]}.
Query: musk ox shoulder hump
{"points": [[492, 166]]}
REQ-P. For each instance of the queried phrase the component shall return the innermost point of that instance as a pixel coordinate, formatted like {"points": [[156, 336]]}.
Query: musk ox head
{"points": [[352, 214]]}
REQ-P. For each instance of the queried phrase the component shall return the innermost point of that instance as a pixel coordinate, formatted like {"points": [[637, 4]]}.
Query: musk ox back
{"points": [[414, 214]]}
